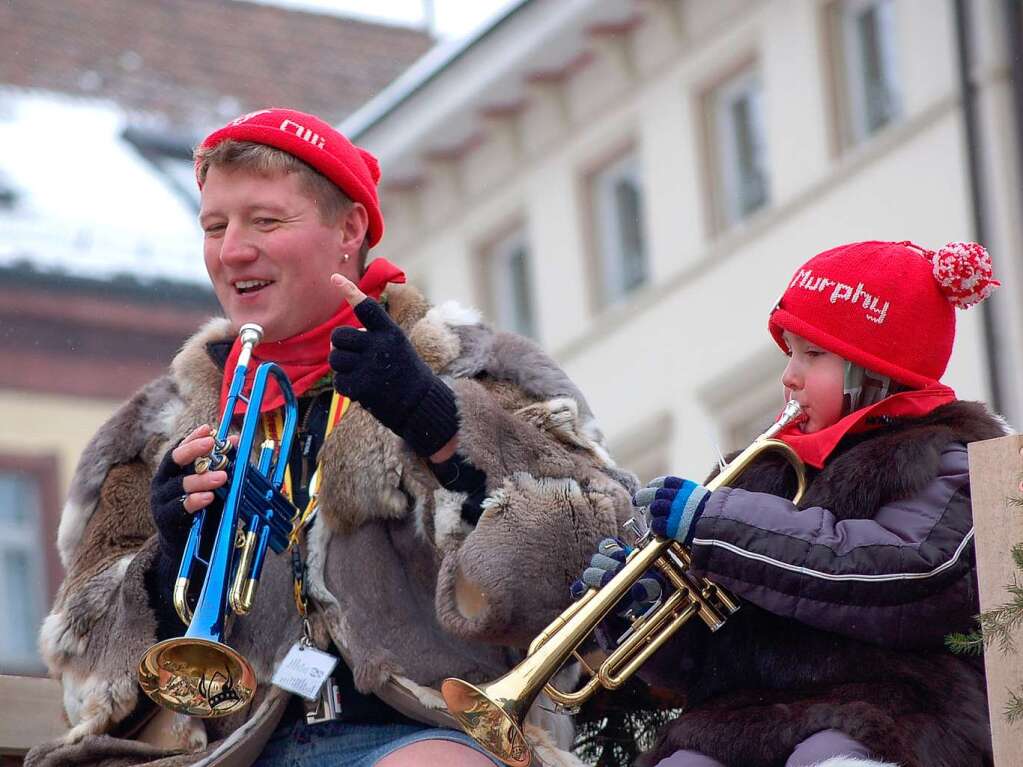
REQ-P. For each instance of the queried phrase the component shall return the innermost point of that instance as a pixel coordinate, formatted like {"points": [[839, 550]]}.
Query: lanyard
{"points": [[273, 428]]}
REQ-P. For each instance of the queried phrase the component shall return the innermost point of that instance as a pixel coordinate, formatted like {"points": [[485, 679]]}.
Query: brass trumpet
{"points": [[493, 713], [198, 674]]}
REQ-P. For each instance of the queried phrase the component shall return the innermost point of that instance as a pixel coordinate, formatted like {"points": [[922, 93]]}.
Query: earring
{"points": [[345, 259]]}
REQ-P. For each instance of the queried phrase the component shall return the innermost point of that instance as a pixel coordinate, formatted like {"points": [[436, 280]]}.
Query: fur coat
{"points": [[772, 675], [408, 591]]}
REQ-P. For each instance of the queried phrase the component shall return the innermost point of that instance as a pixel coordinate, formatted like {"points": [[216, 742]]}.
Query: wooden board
{"points": [[31, 712], [996, 468]]}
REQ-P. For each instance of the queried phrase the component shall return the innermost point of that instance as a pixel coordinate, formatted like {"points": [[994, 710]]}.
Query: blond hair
{"points": [[330, 200]]}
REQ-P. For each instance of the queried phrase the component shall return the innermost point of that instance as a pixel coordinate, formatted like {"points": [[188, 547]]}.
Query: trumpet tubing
{"points": [[493, 713], [198, 674]]}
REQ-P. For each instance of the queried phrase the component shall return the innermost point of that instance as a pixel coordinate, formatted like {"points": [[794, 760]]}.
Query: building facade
{"points": [[633, 183]]}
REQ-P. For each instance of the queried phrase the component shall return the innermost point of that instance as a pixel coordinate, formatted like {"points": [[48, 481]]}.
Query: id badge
{"points": [[304, 670]]}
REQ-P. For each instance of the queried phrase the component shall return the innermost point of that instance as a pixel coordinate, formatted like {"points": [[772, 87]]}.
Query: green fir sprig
{"points": [[615, 728]]}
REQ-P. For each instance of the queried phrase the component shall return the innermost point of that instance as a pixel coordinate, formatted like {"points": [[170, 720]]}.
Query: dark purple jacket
{"points": [[846, 601], [900, 578]]}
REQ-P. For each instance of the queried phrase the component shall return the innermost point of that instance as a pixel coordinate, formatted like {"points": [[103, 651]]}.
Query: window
{"points": [[745, 426], [745, 399], [740, 147], [646, 448], [8, 195], [865, 37], [618, 218], [510, 284], [22, 578]]}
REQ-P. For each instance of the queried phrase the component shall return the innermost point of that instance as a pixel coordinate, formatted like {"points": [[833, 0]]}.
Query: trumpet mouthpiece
{"points": [[793, 413], [250, 332]]}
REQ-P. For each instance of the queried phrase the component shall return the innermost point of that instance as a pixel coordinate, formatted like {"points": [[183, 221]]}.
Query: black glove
{"points": [[460, 476], [379, 369], [171, 520]]}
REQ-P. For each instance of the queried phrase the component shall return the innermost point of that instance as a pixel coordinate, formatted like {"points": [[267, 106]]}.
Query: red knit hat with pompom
{"points": [[888, 306], [354, 170]]}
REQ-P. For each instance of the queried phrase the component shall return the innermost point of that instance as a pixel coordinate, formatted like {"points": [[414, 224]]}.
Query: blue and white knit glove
{"points": [[675, 505], [604, 565]]}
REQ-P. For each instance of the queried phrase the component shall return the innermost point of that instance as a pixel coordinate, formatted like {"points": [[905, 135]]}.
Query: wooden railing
{"points": [[30, 712]]}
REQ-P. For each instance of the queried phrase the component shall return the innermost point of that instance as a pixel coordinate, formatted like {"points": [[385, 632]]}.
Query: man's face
{"points": [[269, 254]]}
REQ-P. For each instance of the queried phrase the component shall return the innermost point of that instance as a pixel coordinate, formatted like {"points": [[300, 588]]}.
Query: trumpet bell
{"points": [[197, 677], [491, 723]]}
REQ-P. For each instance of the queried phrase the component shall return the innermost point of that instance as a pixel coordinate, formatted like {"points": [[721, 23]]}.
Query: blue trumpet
{"points": [[198, 674]]}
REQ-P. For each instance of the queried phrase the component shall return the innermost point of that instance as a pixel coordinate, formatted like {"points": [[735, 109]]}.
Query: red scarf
{"points": [[815, 448], [304, 357]]}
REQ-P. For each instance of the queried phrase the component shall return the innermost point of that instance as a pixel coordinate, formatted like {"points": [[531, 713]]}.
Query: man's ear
{"points": [[353, 226]]}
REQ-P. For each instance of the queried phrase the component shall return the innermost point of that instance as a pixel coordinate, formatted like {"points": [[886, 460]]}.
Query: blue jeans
{"points": [[343, 744]]}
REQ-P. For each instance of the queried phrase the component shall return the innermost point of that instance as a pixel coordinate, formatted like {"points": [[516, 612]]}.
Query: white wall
{"points": [[693, 343]]}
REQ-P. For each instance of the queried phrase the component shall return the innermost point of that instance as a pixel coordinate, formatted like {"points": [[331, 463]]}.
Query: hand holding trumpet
{"points": [[177, 491]]}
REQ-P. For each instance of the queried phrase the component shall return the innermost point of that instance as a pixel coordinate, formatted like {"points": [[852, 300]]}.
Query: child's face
{"points": [[814, 378]]}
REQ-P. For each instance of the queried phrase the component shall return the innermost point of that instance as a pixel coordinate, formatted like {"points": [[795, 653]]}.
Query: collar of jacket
{"points": [[880, 457]]}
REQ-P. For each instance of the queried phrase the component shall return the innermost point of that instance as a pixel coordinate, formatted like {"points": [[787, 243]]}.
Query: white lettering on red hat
{"points": [[304, 133], [249, 116], [805, 280]]}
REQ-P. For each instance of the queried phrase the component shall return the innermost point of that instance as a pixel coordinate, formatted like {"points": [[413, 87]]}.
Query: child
{"points": [[837, 650]]}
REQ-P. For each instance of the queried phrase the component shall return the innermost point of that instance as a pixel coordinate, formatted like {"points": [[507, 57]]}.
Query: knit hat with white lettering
{"points": [[888, 306], [354, 170]]}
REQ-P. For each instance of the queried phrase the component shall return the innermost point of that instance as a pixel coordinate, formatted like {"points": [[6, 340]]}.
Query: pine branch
{"points": [[999, 623], [614, 729], [965, 644], [1017, 555], [1014, 707]]}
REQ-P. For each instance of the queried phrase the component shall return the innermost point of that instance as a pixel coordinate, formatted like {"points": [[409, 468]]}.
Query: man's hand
{"points": [[675, 505], [379, 369], [177, 492]]}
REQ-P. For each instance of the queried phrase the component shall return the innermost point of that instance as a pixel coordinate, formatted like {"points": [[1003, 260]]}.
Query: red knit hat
{"points": [[888, 306], [354, 170]]}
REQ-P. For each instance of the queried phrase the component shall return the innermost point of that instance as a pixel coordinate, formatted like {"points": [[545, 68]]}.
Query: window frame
{"points": [[850, 82], [42, 472], [724, 153], [744, 399], [496, 256], [606, 229]]}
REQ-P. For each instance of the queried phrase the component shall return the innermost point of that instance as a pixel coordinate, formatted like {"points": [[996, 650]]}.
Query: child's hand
{"points": [[675, 504], [605, 565]]}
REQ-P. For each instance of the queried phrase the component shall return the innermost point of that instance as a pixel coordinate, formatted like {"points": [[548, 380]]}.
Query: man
{"points": [[462, 483]]}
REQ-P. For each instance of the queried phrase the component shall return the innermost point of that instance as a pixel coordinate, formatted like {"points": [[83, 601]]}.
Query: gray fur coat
{"points": [[408, 591]]}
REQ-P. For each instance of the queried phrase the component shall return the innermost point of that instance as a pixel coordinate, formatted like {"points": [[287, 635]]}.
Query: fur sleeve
{"points": [[551, 498], [101, 622]]}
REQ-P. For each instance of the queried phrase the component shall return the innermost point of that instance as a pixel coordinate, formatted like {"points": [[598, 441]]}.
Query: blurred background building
{"points": [[101, 274], [631, 182]]}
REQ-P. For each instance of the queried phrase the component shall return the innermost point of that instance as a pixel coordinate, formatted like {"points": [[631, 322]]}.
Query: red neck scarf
{"points": [[815, 448], [304, 356]]}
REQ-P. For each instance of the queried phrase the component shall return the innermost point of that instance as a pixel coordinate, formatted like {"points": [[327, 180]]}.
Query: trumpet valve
{"points": [[214, 461]]}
